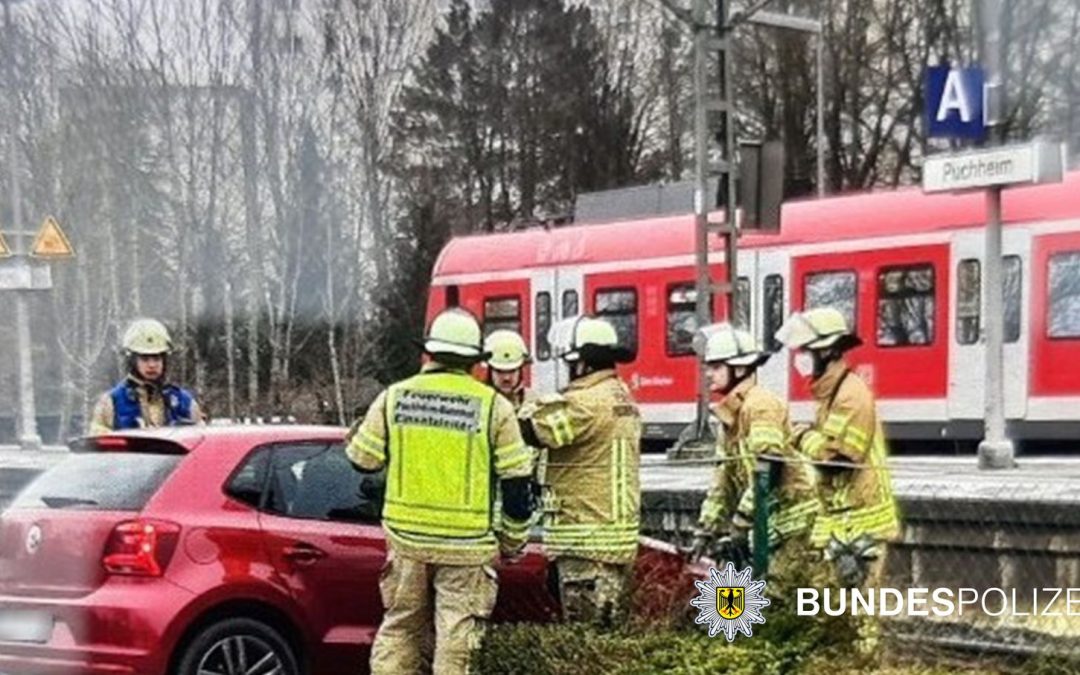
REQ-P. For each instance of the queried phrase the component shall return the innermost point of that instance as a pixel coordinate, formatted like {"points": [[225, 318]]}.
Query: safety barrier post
{"points": [[760, 534]]}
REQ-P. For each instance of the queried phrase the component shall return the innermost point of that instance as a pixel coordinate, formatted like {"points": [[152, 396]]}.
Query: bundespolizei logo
{"points": [[730, 602]]}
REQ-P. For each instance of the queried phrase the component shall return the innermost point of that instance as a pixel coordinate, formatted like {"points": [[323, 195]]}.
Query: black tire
{"points": [[263, 650]]}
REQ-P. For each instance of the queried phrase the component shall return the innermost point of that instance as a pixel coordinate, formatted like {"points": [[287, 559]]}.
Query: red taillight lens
{"points": [[111, 443], [141, 548]]}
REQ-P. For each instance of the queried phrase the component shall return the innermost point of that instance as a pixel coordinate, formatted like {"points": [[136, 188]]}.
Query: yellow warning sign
{"points": [[5, 250], [51, 242]]}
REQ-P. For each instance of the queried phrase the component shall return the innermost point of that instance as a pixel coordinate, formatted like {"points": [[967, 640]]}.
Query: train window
{"points": [[742, 304], [833, 289], [570, 305], [1012, 275], [968, 307], [773, 310], [1064, 295], [453, 296], [502, 314], [682, 320], [619, 306], [905, 306], [543, 325]]}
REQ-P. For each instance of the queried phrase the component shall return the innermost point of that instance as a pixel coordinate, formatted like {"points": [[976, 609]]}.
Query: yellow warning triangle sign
{"points": [[51, 242], [5, 250]]}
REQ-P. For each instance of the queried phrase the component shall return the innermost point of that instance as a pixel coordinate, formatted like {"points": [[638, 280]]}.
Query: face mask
{"points": [[804, 364]]}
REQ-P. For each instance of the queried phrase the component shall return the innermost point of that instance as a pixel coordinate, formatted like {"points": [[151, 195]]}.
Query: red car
{"points": [[209, 550]]}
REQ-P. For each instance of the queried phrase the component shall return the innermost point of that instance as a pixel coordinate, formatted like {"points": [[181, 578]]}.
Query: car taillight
{"points": [[111, 443], [141, 547]]}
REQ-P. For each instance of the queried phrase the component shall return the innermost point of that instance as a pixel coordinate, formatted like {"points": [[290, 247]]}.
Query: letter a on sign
{"points": [[51, 242], [954, 98], [954, 103], [5, 250]]}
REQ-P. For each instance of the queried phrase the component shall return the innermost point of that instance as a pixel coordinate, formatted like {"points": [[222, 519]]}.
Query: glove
{"points": [[797, 433], [851, 561], [511, 555], [700, 546], [734, 549], [511, 547], [850, 570], [528, 432]]}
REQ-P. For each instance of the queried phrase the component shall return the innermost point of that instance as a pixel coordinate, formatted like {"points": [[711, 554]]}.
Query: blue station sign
{"points": [[955, 103]]}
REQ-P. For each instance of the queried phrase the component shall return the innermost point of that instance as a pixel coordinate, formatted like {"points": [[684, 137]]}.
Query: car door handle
{"points": [[304, 554]]}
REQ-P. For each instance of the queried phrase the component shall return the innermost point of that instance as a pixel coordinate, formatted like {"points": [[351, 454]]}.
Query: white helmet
{"points": [[818, 328], [147, 337], [723, 343], [454, 331], [507, 350], [588, 338]]}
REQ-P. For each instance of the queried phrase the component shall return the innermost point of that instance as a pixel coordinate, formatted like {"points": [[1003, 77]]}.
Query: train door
{"points": [[967, 372], [570, 291], [545, 307], [747, 297], [967, 312], [772, 286], [1016, 270]]}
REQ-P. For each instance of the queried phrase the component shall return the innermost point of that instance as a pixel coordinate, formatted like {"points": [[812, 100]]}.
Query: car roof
{"points": [[189, 438]]}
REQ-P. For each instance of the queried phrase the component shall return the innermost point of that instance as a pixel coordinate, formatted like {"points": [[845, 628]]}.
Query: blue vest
{"points": [[127, 413]]}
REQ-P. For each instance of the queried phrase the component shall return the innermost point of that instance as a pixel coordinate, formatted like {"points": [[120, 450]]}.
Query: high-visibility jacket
{"points": [[592, 432], [444, 439], [755, 422], [859, 500]]}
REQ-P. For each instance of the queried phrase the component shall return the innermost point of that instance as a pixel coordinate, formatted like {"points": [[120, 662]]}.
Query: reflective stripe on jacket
{"points": [[755, 422], [860, 500], [592, 433]]}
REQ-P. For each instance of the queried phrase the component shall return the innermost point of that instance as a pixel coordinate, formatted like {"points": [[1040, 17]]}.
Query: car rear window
{"points": [[110, 481]]}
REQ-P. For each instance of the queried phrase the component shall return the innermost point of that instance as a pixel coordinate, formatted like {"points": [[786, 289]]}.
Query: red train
{"points": [[905, 267]]}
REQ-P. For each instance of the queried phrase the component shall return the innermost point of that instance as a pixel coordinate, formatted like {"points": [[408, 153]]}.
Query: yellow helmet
{"points": [[507, 349], [723, 343], [817, 328], [584, 337], [454, 331]]}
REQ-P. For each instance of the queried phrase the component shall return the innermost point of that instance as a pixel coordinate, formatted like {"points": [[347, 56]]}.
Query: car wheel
{"points": [[238, 647]]}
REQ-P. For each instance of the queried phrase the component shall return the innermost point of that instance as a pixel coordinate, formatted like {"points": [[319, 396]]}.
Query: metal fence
{"points": [[1006, 546]]}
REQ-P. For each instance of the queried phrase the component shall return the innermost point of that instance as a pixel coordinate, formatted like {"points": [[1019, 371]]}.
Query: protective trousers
{"points": [[459, 598], [593, 591], [868, 628], [793, 565]]}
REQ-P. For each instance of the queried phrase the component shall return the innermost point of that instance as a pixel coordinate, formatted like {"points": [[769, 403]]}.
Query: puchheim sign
{"points": [[1036, 162]]}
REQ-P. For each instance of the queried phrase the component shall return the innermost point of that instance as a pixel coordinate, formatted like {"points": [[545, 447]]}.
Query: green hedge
{"points": [[785, 644], [575, 649]]}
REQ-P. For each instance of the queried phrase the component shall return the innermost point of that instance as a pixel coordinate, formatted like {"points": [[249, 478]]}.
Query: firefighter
{"points": [[444, 439], [144, 398], [507, 357], [755, 425], [506, 365], [860, 515], [592, 434]]}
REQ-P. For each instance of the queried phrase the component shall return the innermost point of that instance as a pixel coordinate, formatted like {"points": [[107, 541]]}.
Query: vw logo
{"points": [[33, 539]]}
